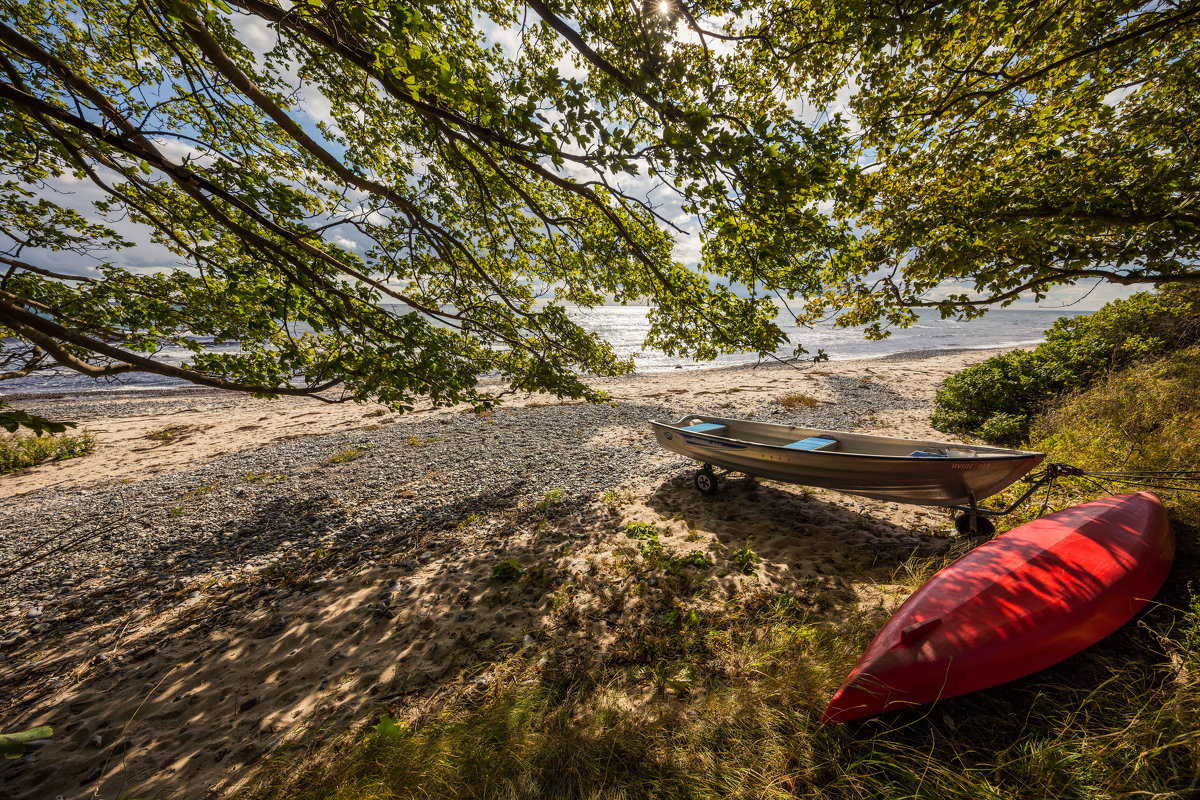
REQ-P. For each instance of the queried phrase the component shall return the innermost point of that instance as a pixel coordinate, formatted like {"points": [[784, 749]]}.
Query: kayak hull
{"points": [[1025, 600]]}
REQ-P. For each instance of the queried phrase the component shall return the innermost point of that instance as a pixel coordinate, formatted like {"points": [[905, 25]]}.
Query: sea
{"points": [[625, 327]]}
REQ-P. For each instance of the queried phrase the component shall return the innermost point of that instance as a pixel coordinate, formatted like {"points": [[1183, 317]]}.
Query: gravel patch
{"points": [[325, 504]]}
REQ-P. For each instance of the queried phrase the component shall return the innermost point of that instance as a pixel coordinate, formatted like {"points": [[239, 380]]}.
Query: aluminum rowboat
{"points": [[897, 470]]}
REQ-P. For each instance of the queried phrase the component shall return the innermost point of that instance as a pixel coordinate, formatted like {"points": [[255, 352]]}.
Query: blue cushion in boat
{"points": [[811, 443], [926, 454], [704, 427]]}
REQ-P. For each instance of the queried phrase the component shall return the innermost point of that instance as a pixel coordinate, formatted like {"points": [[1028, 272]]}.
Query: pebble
{"points": [[248, 703]]}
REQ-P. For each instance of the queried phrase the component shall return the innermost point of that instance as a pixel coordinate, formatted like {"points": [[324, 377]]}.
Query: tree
{"points": [[424, 232], [1015, 147]]}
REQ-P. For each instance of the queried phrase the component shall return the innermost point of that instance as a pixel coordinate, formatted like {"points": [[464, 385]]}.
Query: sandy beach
{"points": [[225, 576]]}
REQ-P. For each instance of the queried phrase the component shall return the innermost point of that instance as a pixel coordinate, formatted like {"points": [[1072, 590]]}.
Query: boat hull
{"points": [[1018, 604], [877, 467]]}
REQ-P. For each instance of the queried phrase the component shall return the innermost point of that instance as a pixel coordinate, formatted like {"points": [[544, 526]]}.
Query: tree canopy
{"points": [[1013, 147], [425, 230], [391, 199]]}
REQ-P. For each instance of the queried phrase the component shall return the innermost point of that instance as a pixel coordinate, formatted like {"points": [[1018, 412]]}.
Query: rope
{"points": [[1174, 480]]}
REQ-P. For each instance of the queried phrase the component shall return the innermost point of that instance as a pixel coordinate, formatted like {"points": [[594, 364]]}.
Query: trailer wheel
{"points": [[982, 527], [705, 480]]}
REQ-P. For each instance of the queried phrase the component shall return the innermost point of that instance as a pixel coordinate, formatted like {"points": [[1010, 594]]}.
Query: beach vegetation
{"points": [[169, 432], [745, 559], [1142, 419], [551, 499], [508, 570], [737, 696], [19, 451], [613, 499], [1000, 398], [696, 559], [641, 530], [794, 401], [348, 454]]}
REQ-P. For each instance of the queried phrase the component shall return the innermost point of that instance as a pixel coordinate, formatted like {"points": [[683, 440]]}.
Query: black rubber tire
{"points": [[705, 480], [983, 525]]}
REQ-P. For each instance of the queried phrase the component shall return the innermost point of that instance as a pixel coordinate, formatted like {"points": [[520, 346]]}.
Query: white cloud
{"points": [[254, 32], [342, 241]]}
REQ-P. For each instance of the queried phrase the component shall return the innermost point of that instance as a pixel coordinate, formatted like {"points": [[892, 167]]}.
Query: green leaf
{"points": [[388, 729]]}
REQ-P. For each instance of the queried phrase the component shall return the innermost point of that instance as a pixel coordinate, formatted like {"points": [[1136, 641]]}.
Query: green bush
{"points": [[18, 452], [1001, 427], [999, 398], [1013, 385]]}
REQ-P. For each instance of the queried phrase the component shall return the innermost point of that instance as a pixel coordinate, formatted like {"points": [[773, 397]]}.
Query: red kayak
{"points": [[1023, 601]]}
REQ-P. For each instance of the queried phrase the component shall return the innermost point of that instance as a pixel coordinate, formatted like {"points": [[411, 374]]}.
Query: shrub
{"points": [[999, 398], [18, 452], [1001, 427], [1013, 384]]}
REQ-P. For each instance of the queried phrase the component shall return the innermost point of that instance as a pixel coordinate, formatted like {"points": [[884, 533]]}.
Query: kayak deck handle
{"points": [[919, 631]]}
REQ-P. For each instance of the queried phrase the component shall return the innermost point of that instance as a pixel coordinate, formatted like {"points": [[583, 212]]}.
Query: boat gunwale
{"points": [[1001, 454]]}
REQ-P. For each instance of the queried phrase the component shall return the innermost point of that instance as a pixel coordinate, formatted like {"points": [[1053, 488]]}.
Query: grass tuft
{"points": [[641, 530], [508, 571], [20, 451], [797, 400], [349, 454], [745, 559], [1143, 418], [170, 432], [550, 500]]}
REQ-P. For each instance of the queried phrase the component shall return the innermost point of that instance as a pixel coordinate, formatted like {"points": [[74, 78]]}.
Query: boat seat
{"points": [[927, 454], [706, 427], [812, 443]]}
